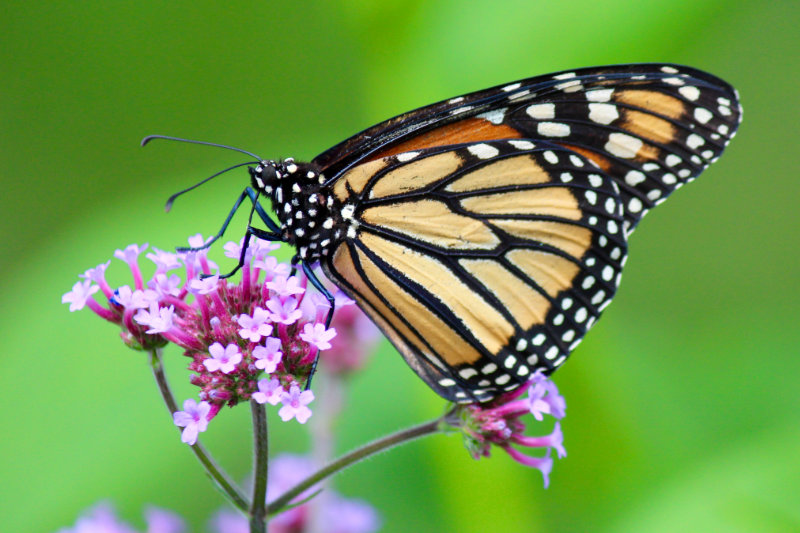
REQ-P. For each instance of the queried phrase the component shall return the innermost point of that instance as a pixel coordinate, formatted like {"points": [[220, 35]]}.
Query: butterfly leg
{"points": [[219, 234], [272, 235], [312, 277]]}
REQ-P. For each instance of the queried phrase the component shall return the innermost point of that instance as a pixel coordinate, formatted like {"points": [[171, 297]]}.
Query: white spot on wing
{"points": [[694, 141], [541, 111], [702, 115], [603, 113], [634, 178], [599, 95], [690, 92], [553, 129], [522, 145], [495, 116], [483, 150], [623, 145], [550, 157], [407, 156]]}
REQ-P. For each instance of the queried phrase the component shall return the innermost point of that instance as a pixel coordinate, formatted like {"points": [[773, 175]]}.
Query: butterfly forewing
{"points": [[482, 262], [650, 127]]}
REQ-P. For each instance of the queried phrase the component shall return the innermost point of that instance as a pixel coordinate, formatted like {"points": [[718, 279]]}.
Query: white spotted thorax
{"points": [[310, 219]]}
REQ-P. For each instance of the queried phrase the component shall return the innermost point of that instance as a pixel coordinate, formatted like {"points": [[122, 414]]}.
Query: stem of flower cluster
{"points": [[214, 471], [379, 445], [258, 507]]}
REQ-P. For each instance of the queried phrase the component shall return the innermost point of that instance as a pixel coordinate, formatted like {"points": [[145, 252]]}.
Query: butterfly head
{"points": [[303, 208]]}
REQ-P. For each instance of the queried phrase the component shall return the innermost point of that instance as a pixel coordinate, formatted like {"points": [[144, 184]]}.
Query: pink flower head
{"points": [[269, 391], [268, 356], [256, 326], [318, 336], [193, 418], [223, 359], [295, 404], [498, 423], [81, 291], [232, 332]]}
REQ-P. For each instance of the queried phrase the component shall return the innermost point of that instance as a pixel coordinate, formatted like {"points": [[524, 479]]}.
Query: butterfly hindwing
{"points": [[482, 262]]}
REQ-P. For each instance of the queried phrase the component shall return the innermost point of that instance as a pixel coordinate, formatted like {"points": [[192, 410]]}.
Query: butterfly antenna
{"points": [[151, 137], [172, 198]]}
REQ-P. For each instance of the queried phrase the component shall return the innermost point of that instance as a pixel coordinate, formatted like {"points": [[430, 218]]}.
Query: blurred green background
{"points": [[683, 401]]}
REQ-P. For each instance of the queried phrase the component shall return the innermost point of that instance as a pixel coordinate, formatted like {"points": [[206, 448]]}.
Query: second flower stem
{"points": [[379, 445]]}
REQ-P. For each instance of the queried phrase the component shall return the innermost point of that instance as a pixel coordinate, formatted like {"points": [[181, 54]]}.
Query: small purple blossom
{"points": [[256, 326], [137, 299], [544, 398], [284, 312], [272, 267], [270, 391], [341, 515], [81, 291], [165, 285], [268, 356], [193, 418], [102, 519], [163, 521], [158, 319], [131, 253], [97, 273], [295, 404], [318, 336], [223, 359], [284, 287], [204, 285], [165, 261]]}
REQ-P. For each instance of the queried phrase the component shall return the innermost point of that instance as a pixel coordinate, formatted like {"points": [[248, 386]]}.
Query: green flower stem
{"points": [[214, 471], [258, 511], [379, 445]]}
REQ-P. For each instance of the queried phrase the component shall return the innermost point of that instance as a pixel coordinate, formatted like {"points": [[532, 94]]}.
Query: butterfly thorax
{"points": [[308, 214]]}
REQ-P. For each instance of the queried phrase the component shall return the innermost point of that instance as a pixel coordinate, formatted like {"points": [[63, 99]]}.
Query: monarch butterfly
{"points": [[485, 234]]}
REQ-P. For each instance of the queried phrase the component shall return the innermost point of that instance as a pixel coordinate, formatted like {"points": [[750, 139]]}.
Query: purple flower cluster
{"points": [[338, 514], [102, 519], [254, 339], [498, 423]]}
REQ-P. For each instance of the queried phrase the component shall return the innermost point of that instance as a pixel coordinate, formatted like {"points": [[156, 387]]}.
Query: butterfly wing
{"points": [[481, 262], [650, 127], [489, 230]]}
